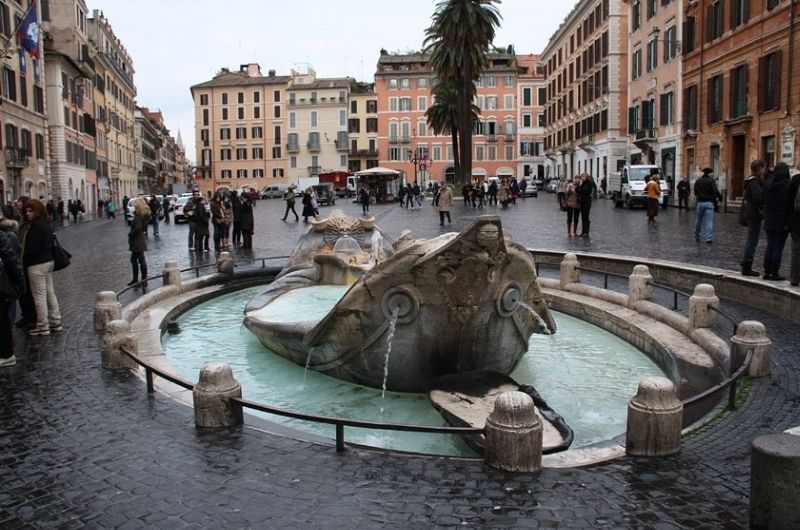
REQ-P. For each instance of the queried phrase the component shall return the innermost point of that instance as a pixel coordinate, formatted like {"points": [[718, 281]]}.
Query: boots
{"points": [[747, 269], [135, 275], [776, 275], [767, 270], [144, 275]]}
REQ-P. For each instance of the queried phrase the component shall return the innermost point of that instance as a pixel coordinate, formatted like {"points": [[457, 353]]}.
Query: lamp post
{"points": [[418, 160]]}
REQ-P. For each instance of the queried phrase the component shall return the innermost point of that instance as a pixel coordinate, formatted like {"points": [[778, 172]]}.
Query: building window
{"points": [[740, 12], [772, 4], [405, 104], [636, 15], [258, 153], [372, 106], [293, 162], [769, 82], [241, 153], [688, 35], [342, 118], [240, 97], [240, 113], [224, 115], [241, 173], [241, 133], [292, 120], [224, 98], [313, 118], [225, 154], [276, 133], [670, 43], [225, 173], [714, 14], [690, 107], [257, 132], [276, 96], [393, 84], [651, 8], [636, 64], [739, 91], [667, 110], [39, 139], [372, 125], [527, 97], [204, 99], [404, 83], [652, 55], [527, 120], [715, 86], [768, 150], [9, 84], [354, 125], [276, 152]]}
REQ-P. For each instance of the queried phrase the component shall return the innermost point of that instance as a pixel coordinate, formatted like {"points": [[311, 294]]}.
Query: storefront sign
{"points": [[787, 145]]}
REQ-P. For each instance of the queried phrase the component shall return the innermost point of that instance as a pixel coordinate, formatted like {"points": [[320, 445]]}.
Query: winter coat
{"points": [[37, 244], [753, 199], [200, 218], [11, 263], [137, 237], [445, 200], [246, 216], [572, 196], [776, 189], [792, 216], [586, 191]]}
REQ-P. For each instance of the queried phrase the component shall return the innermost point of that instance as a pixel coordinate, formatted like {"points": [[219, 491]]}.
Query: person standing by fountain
{"points": [[289, 198], [707, 194], [683, 192], [652, 191], [200, 224], [236, 209], [752, 215], [246, 222], [445, 203], [793, 223], [363, 198], [9, 259], [573, 207], [586, 191], [776, 195], [137, 239]]}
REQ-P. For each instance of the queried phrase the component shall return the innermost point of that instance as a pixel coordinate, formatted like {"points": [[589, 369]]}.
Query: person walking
{"points": [[776, 194], [363, 198], [752, 214], [445, 203], [652, 191], [37, 258], [9, 259], [137, 239], [417, 195], [74, 210], [504, 194], [289, 198], [155, 212], [493, 193], [308, 208], [246, 221], [586, 191], [793, 224], [683, 192], [707, 195], [111, 209], [165, 202], [188, 213], [573, 207]]}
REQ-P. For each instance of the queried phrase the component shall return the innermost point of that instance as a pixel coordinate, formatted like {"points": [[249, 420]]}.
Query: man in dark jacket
{"points": [[707, 194], [155, 211], [14, 271], [752, 213], [793, 224], [246, 223]]}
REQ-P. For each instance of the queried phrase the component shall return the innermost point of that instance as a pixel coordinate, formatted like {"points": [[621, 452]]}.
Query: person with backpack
{"points": [[752, 215], [793, 224], [289, 198]]}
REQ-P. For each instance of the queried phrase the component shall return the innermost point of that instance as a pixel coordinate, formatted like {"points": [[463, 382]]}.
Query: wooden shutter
{"points": [[631, 120], [732, 87], [709, 22], [778, 75], [762, 83]]}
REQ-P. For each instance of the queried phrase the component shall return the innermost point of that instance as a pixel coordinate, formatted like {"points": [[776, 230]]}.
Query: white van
{"points": [[273, 191]]}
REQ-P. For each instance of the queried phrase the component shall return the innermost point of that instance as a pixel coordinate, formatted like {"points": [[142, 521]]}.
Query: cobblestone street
{"points": [[84, 447]]}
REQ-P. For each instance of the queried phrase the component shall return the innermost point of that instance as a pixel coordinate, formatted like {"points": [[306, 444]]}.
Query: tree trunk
{"points": [[456, 151], [465, 122]]}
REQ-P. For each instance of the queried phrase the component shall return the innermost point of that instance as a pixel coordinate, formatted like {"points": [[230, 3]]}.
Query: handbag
{"points": [[60, 256]]}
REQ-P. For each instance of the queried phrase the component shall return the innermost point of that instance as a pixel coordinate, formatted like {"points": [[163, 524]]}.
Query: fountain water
{"points": [[389, 337]]}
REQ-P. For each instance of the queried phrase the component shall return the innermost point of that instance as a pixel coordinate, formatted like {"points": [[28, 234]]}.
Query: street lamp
{"points": [[418, 159]]}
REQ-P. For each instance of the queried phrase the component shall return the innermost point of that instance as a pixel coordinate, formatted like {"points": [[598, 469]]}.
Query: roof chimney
{"points": [[272, 73], [251, 69]]}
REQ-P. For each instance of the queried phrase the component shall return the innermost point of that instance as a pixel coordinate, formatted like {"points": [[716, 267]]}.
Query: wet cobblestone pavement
{"points": [[81, 447]]}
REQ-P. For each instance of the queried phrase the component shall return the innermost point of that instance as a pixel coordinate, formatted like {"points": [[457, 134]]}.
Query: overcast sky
{"points": [[175, 44]]}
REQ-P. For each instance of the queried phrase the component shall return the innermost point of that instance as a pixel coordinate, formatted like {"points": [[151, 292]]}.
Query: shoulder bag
{"points": [[61, 257]]}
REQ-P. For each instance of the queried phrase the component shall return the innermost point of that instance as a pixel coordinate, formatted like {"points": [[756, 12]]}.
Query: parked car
{"points": [[273, 191], [551, 186], [131, 205], [531, 190], [177, 211]]}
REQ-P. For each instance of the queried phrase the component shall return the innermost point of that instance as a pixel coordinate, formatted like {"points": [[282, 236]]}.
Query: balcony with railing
{"points": [[405, 139], [292, 148], [313, 147], [509, 137], [314, 170], [491, 138], [341, 147], [16, 157]]}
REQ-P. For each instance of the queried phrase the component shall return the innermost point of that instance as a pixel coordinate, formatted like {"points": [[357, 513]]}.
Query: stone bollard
{"points": [[569, 271], [106, 309], [225, 263], [775, 482], [751, 334], [514, 434], [213, 408], [700, 303], [655, 418], [639, 287], [117, 336], [172, 274]]}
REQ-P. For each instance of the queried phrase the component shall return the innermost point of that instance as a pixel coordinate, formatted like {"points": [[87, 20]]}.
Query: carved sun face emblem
{"points": [[339, 227], [489, 237]]}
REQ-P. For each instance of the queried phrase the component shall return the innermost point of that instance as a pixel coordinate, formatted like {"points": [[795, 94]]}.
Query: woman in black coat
{"points": [[308, 207], [775, 191], [37, 258], [201, 225], [793, 224], [246, 223], [16, 276]]}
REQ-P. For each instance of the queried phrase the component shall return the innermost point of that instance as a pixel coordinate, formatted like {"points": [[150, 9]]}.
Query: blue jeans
{"points": [[705, 211], [751, 242], [776, 240], [154, 221]]}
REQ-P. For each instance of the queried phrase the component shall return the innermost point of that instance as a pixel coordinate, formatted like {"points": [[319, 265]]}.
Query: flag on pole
{"points": [[28, 32]]}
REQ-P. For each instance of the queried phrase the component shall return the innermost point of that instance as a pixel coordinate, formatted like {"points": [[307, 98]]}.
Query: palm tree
{"points": [[458, 41], [442, 116]]}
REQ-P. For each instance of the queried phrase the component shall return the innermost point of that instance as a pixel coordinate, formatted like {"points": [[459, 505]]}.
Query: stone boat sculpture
{"points": [[459, 302]]}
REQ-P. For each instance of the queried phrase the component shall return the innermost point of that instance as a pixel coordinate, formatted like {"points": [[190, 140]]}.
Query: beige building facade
{"points": [[115, 94], [362, 127], [240, 129], [23, 121], [656, 87], [317, 137], [586, 65], [531, 99]]}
